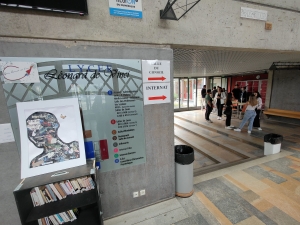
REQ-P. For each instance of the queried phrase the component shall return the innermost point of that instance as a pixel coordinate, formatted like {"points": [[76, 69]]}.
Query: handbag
{"points": [[227, 111]]}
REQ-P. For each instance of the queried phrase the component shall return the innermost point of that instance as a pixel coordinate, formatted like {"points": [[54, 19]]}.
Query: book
{"points": [[64, 217], [70, 216], [73, 214], [55, 191], [35, 198], [47, 220], [38, 193], [44, 221], [43, 196], [51, 192], [58, 218], [70, 187], [92, 182], [64, 187], [53, 220], [59, 189]]}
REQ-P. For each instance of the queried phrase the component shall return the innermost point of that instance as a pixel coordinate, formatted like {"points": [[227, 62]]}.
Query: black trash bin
{"points": [[184, 158], [272, 143]]}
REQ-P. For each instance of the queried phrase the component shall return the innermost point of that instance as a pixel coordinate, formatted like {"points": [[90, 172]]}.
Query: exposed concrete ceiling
{"points": [[220, 62]]}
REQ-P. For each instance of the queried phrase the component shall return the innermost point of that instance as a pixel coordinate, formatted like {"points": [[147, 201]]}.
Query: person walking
{"points": [[228, 111], [249, 114], [256, 123], [219, 99], [209, 105], [203, 94]]}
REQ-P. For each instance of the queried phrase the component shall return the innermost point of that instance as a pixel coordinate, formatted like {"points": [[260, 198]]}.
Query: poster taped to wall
{"points": [[51, 136]]}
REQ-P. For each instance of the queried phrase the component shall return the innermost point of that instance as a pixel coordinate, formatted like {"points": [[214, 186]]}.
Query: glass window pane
{"points": [[183, 97], [192, 92], [176, 93]]}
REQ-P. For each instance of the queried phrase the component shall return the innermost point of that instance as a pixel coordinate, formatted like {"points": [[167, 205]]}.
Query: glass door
{"points": [[176, 93], [183, 97], [192, 93]]}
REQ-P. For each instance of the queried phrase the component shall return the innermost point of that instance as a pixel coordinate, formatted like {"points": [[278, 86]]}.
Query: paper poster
{"points": [[51, 136], [6, 133], [20, 72]]}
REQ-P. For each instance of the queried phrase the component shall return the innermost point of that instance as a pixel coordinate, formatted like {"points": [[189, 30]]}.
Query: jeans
{"points": [[228, 119], [249, 115], [220, 109], [202, 102], [256, 122], [207, 112]]}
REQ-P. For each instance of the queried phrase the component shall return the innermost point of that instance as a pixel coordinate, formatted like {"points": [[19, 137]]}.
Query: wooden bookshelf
{"points": [[87, 202]]}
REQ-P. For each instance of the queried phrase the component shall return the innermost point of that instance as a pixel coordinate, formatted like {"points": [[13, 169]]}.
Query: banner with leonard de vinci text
{"points": [[110, 94]]}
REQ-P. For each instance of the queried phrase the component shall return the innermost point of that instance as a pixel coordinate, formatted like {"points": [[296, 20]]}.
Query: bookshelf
{"points": [[88, 202]]}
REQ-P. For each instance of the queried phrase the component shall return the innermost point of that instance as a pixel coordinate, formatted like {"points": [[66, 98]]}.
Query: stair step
{"points": [[219, 127], [227, 143], [215, 153]]}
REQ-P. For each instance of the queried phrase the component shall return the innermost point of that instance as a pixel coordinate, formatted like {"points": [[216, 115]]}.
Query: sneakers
{"points": [[219, 118], [232, 126], [249, 131], [209, 121], [259, 128], [228, 128], [237, 129]]}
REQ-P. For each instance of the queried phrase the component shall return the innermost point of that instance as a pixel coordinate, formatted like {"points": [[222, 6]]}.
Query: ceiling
{"points": [[214, 62]]}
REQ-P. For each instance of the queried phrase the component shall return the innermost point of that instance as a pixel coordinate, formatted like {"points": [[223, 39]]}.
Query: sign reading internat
{"points": [[156, 82], [126, 8]]}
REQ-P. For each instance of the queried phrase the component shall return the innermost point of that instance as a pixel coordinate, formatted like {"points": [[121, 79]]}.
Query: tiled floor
{"points": [[262, 191]]}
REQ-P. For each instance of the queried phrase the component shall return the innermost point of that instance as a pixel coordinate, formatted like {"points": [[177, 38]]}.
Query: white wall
{"points": [[209, 23]]}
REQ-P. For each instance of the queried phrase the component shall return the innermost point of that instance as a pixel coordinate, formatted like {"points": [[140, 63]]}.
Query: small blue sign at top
{"points": [[110, 92], [126, 8]]}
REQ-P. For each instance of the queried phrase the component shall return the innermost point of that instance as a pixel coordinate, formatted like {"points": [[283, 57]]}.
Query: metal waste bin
{"points": [[184, 174], [272, 143]]}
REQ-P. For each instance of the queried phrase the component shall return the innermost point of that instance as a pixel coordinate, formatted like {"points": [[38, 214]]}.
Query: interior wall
{"points": [[156, 176], [215, 23], [285, 90]]}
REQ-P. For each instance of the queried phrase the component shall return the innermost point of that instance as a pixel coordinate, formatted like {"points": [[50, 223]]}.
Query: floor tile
{"points": [[253, 220], [280, 217]]}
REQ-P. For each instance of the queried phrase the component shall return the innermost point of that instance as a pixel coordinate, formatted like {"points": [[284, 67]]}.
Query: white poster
{"points": [[20, 72], [6, 133], [126, 8], [51, 136]]}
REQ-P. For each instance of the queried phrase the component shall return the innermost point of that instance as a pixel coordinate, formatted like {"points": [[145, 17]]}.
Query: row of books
{"points": [[59, 218], [60, 190]]}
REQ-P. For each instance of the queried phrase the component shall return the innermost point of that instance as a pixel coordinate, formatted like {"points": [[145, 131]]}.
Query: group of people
{"points": [[223, 102]]}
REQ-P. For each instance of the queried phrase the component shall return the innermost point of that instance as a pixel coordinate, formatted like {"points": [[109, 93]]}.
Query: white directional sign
{"points": [[156, 93], [156, 81], [156, 71]]}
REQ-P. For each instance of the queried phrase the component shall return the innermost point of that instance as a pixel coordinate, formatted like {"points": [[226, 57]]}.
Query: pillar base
{"points": [[184, 195]]}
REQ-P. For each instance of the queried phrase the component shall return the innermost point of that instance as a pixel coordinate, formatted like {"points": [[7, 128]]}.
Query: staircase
{"points": [[214, 146]]}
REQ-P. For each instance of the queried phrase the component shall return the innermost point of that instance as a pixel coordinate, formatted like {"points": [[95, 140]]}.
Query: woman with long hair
{"points": [[228, 111], [256, 123], [249, 114], [219, 99]]}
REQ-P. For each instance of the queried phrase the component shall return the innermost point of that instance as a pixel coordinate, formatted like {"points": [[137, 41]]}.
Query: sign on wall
{"points": [[156, 82], [110, 96], [254, 14], [126, 8]]}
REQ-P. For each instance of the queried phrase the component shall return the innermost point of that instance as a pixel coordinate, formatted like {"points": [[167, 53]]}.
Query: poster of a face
{"points": [[51, 136]]}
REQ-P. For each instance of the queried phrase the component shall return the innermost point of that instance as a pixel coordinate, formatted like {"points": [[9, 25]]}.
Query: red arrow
{"points": [[157, 98], [156, 78]]}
